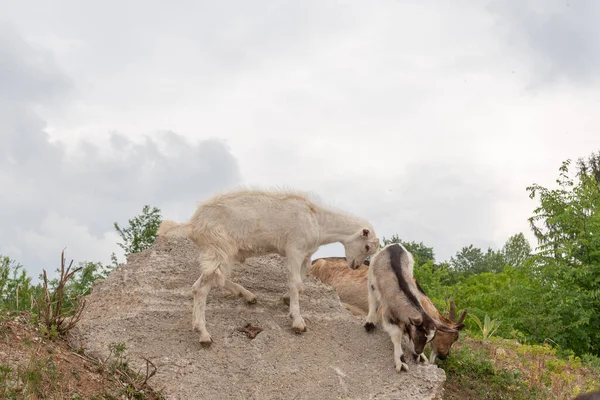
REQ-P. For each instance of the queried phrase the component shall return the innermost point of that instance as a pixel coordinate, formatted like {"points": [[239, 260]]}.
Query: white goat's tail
{"points": [[174, 229]]}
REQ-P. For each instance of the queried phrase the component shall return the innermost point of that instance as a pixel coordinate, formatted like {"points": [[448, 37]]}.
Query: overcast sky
{"points": [[427, 118]]}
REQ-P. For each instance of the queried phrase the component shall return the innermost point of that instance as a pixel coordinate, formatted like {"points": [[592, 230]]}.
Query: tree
{"points": [[567, 226], [141, 232], [420, 252], [591, 167], [472, 260], [468, 260], [15, 285], [516, 250]]}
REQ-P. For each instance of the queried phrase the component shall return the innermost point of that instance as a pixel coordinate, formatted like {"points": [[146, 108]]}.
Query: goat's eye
{"points": [[367, 247]]}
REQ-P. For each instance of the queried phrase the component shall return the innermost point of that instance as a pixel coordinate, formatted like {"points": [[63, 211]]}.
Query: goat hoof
{"points": [[205, 340], [402, 367], [299, 327], [369, 326], [251, 300]]}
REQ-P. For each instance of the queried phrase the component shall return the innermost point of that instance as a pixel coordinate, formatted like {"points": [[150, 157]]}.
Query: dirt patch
{"points": [[33, 367], [147, 305]]}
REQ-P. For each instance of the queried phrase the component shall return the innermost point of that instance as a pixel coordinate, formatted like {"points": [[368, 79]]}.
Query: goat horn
{"points": [[452, 310], [462, 317]]}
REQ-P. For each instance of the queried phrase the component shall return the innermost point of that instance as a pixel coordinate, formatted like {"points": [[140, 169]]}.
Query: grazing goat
{"points": [[352, 289], [234, 226], [443, 341], [391, 286]]}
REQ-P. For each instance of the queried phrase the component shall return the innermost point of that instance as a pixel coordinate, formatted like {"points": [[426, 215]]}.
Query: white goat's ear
{"points": [[366, 232], [416, 321]]}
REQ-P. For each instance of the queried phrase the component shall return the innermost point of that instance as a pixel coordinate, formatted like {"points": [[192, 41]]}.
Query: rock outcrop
{"points": [[147, 305]]}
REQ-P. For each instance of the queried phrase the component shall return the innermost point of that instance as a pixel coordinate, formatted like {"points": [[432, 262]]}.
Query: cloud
{"points": [[447, 204], [416, 115], [54, 197], [559, 37]]}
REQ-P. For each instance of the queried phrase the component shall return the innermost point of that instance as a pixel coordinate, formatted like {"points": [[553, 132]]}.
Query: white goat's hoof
{"points": [[205, 340], [251, 300], [299, 326], [401, 367], [423, 359]]}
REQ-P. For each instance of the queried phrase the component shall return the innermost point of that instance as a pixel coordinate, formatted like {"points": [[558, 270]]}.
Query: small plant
{"points": [[76, 373], [51, 306], [488, 328], [135, 384]]}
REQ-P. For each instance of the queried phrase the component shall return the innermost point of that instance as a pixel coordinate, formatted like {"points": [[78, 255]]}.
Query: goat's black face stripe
{"points": [[395, 254]]}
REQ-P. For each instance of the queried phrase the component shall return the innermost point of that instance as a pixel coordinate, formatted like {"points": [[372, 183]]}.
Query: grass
{"points": [[504, 369]]}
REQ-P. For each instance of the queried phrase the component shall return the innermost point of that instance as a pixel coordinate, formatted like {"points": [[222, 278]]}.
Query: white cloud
{"points": [[428, 118]]}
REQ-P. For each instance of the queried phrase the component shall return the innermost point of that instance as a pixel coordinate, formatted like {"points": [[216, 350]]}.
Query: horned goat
{"points": [[233, 226], [443, 341], [352, 289], [391, 286]]}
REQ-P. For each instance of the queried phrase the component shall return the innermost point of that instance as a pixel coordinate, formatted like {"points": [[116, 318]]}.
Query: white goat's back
{"points": [[256, 222]]}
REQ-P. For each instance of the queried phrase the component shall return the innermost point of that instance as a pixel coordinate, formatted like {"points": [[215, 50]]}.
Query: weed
{"points": [[488, 328], [75, 373], [135, 384], [51, 308]]}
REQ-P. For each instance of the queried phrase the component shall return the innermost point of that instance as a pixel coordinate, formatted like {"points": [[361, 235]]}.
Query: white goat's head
{"points": [[361, 245]]}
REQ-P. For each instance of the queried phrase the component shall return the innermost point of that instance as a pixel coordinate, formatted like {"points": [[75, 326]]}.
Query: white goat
{"points": [[391, 286], [244, 223]]}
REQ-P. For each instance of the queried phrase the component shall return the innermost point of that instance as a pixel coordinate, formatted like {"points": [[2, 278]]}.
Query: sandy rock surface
{"points": [[147, 305]]}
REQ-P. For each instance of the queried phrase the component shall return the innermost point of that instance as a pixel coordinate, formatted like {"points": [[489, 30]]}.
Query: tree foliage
{"points": [[421, 253], [516, 250], [16, 289], [141, 232]]}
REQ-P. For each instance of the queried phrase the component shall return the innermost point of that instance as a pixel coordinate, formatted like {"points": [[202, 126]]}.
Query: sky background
{"points": [[428, 118]]}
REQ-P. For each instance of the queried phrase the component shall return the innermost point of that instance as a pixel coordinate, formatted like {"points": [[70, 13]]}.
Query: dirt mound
{"points": [[147, 305]]}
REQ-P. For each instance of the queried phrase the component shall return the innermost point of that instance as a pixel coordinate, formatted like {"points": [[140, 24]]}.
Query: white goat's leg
{"points": [[294, 264], [373, 305], [396, 335], [304, 273], [239, 290], [200, 289]]}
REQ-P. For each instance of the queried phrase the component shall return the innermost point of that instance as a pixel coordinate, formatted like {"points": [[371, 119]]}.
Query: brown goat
{"points": [[351, 287]]}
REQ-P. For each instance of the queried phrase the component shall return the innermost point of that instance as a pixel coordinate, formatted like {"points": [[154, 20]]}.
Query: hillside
{"points": [[146, 304]]}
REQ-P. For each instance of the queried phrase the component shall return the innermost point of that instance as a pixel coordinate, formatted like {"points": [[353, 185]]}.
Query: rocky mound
{"points": [[147, 305]]}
